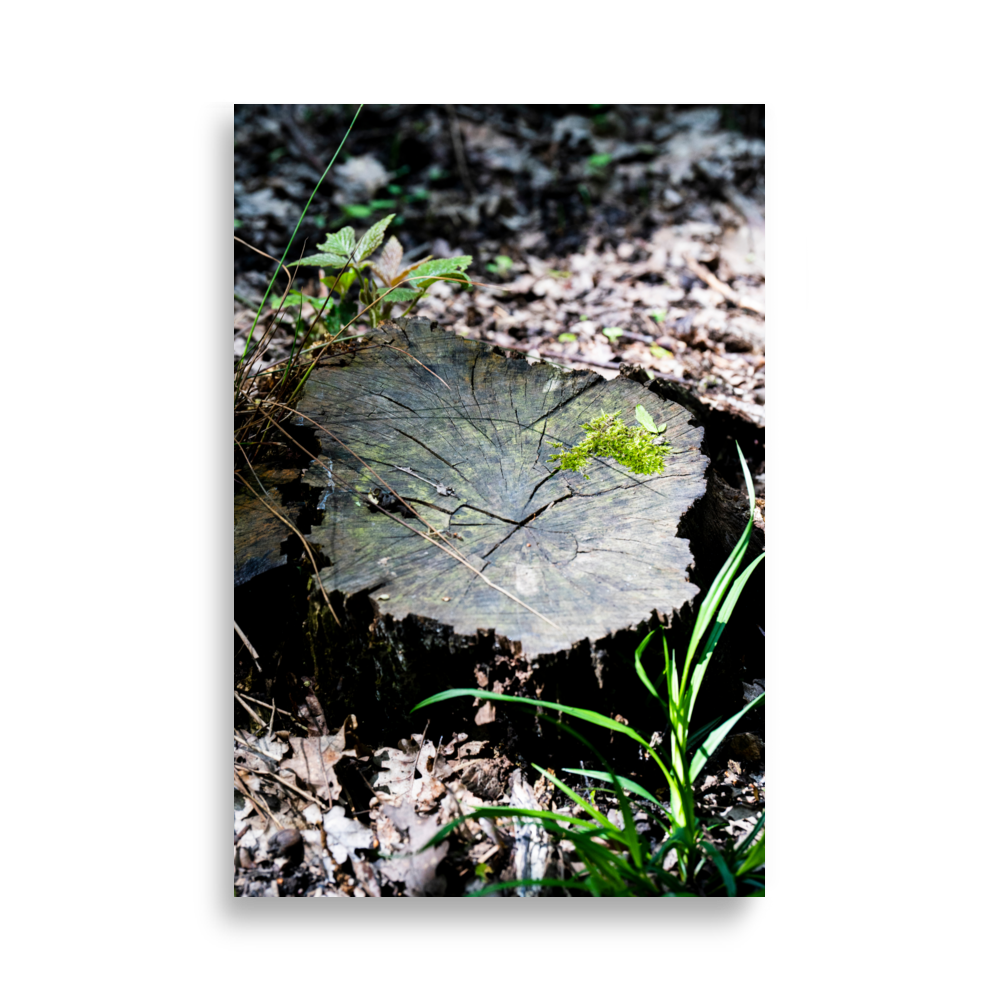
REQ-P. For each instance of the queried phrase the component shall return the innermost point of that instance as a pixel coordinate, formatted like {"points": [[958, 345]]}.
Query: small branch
{"points": [[456, 141], [700, 271], [247, 643]]}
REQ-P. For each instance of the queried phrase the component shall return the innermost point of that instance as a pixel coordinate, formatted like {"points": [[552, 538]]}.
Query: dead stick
{"points": [[700, 271]]}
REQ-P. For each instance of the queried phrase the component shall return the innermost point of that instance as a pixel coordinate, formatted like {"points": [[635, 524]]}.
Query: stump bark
{"points": [[488, 538]]}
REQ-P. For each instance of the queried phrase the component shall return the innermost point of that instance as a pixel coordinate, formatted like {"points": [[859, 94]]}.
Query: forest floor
{"points": [[602, 237]]}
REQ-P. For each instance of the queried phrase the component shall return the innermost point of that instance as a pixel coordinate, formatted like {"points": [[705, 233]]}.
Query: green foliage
{"points": [[566, 338], [612, 333], [350, 256], [640, 449], [334, 317], [616, 860]]}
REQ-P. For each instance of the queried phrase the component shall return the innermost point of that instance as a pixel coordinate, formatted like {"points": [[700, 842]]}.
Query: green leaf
{"points": [[457, 276], [716, 737], [566, 338], [611, 332], [642, 415], [297, 299], [439, 267], [401, 295], [322, 260], [341, 285], [358, 211], [341, 242], [659, 352], [372, 239]]}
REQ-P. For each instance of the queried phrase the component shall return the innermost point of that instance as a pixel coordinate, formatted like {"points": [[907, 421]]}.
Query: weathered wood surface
{"points": [[588, 557], [259, 537]]}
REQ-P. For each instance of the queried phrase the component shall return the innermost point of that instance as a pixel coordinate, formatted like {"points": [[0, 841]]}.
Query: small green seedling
{"points": [[642, 415], [349, 255], [640, 449], [566, 338], [501, 266], [659, 352], [612, 333]]}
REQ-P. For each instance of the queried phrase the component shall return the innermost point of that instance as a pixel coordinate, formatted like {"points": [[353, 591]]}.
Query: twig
{"points": [[255, 751], [423, 736], [700, 271], [456, 141], [260, 721], [264, 704], [246, 791], [270, 775], [246, 641], [445, 491]]}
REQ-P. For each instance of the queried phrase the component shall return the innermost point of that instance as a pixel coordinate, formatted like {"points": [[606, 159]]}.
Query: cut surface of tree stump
{"points": [[562, 558]]}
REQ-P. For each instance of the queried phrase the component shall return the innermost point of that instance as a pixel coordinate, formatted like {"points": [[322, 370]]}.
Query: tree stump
{"points": [[488, 540]]}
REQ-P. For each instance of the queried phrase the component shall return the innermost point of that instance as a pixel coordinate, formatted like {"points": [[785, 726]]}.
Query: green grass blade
{"points": [[632, 786], [720, 864], [492, 812], [721, 620], [716, 737], [631, 835], [578, 713], [754, 859], [644, 677], [710, 604], [699, 734], [579, 800]]}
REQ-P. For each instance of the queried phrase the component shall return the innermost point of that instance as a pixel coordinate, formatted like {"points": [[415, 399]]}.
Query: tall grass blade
{"points": [[715, 739]]}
